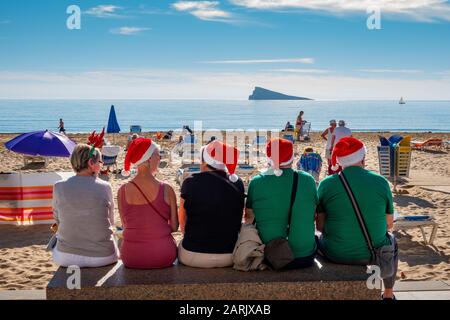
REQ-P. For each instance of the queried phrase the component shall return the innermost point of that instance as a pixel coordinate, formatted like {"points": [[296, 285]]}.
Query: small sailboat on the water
{"points": [[401, 101]]}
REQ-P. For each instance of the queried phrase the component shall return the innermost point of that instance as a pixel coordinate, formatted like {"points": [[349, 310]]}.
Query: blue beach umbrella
{"points": [[42, 143], [113, 125]]}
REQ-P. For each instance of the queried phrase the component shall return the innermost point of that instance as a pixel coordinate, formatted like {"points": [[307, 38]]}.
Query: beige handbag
{"points": [[248, 253]]}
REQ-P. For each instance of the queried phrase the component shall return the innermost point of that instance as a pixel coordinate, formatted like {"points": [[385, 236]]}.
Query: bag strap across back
{"points": [[293, 196], [359, 216], [148, 201]]}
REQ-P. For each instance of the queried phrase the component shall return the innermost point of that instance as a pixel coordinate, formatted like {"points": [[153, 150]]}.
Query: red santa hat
{"points": [[139, 151], [280, 152], [222, 156], [348, 151]]}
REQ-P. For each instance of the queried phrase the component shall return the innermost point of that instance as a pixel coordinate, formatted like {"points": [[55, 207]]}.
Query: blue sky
{"points": [[222, 49]]}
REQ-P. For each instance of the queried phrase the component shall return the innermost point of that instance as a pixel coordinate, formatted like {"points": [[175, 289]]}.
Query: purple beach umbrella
{"points": [[42, 143]]}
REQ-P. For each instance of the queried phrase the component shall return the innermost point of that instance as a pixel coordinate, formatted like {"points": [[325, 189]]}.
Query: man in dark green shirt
{"points": [[342, 240]]}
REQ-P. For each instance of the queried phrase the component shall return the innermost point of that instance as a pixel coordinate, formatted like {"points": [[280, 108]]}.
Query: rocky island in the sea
{"points": [[264, 94]]}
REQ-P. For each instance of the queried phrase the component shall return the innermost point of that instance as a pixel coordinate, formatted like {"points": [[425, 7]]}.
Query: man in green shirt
{"points": [[268, 201], [342, 239]]}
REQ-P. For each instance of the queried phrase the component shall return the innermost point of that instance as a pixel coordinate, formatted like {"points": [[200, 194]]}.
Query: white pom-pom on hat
{"points": [[233, 178], [125, 173], [278, 172]]}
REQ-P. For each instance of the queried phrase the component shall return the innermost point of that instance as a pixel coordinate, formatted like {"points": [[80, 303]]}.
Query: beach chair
{"points": [[305, 131], [384, 161], [35, 159], [447, 144], [259, 144], [423, 145], [184, 172], [246, 172], [289, 137], [109, 156], [191, 152], [135, 129], [421, 222]]}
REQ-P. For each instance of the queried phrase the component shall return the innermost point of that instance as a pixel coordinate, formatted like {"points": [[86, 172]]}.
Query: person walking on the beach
{"points": [[299, 125], [148, 210], [211, 209], [343, 239], [326, 135], [61, 126], [340, 132], [83, 207]]}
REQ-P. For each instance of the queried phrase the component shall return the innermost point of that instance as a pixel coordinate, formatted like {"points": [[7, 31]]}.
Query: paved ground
{"points": [[405, 290]]}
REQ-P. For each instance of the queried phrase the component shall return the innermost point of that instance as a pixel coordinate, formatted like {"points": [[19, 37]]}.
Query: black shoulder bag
{"points": [[382, 257], [278, 251]]}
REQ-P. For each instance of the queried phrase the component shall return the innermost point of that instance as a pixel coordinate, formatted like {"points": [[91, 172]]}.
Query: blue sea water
{"points": [[87, 115]]}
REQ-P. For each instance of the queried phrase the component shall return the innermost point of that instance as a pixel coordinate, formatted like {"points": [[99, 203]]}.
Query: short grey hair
{"points": [[341, 123], [79, 159]]}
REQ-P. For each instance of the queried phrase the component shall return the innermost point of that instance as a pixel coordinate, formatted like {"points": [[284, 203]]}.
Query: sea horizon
{"points": [[86, 115]]}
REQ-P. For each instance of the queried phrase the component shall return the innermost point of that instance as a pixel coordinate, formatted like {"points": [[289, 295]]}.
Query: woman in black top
{"points": [[211, 210]]}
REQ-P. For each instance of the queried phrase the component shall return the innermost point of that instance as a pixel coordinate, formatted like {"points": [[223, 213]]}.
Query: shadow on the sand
{"points": [[402, 200], [432, 151], [416, 253], [24, 236]]}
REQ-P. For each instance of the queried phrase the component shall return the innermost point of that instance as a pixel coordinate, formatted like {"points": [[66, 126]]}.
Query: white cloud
{"points": [[104, 11], [170, 84], [293, 60], [407, 71], [128, 31], [204, 10], [310, 71], [425, 10]]}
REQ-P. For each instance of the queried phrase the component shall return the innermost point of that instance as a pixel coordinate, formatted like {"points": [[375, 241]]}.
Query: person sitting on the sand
{"points": [[83, 208], [269, 202], [288, 126], [310, 162], [342, 238], [148, 210], [211, 209]]}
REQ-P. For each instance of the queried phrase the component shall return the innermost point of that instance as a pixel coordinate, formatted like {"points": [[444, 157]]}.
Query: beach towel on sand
{"points": [[248, 253]]}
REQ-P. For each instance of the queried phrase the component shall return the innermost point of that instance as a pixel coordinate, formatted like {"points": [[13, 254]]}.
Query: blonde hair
{"points": [[81, 155]]}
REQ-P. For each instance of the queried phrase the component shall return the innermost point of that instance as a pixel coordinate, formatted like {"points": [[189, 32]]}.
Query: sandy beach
{"points": [[24, 263]]}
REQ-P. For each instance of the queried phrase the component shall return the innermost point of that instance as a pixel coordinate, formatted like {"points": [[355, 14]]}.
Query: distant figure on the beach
{"points": [[343, 239], [83, 208], [282, 211], [327, 135], [61, 126], [133, 137], [288, 126], [299, 125], [148, 210], [187, 130], [310, 162], [211, 209], [340, 132]]}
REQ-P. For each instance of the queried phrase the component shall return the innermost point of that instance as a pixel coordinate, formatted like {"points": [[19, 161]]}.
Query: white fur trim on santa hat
{"points": [[277, 171], [352, 159], [147, 155], [211, 161]]}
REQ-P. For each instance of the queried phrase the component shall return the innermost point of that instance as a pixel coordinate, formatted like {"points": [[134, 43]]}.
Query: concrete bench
{"points": [[320, 282]]}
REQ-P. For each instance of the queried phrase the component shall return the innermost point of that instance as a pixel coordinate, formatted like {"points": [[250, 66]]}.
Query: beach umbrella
{"points": [[42, 143], [113, 125]]}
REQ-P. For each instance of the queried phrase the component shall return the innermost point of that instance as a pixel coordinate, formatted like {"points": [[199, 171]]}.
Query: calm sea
{"points": [[87, 115]]}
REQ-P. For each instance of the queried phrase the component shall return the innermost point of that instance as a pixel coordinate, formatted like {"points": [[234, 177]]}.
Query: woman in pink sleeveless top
{"points": [[148, 209]]}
